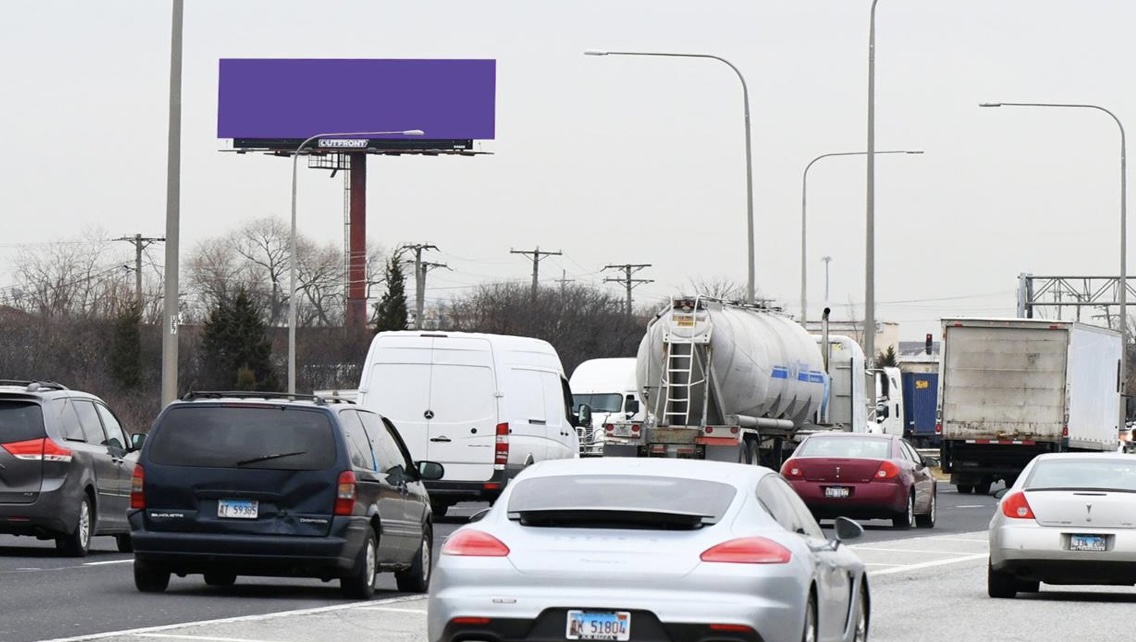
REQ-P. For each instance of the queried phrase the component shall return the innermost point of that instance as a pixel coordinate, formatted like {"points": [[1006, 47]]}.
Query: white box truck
{"points": [[1010, 389]]}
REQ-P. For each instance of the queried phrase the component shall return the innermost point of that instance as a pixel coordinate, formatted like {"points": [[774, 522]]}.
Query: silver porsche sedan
{"points": [[648, 549], [1070, 518]]}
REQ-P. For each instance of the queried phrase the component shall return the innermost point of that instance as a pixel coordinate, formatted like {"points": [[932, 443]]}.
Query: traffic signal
{"points": [[927, 343]]}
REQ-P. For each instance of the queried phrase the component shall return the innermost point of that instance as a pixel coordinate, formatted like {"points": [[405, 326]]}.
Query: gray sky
{"points": [[618, 159]]}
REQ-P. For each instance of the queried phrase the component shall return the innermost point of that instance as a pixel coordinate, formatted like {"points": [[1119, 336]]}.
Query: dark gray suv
{"points": [[65, 466], [268, 484]]}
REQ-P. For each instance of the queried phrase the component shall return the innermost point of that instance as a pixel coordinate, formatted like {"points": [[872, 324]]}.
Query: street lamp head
{"points": [[414, 132], [595, 52], [989, 104]]}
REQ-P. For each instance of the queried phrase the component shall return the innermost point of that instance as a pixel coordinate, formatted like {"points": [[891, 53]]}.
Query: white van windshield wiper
{"points": [[272, 456]]}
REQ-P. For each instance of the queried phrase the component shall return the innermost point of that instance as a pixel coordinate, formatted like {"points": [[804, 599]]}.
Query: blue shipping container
{"points": [[920, 396]]}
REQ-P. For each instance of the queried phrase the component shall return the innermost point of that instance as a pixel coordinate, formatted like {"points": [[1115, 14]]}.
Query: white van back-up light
{"points": [[501, 448]]}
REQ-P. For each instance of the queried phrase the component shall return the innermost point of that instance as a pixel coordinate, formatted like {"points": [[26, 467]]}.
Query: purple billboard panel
{"points": [[292, 99]]}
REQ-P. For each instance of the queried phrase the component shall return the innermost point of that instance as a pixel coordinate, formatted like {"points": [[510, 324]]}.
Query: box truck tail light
{"points": [[137, 488], [1015, 506], [938, 429], [1065, 430], [501, 448], [609, 428], [345, 495], [790, 470], [635, 428], [748, 550], [887, 470], [38, 450]]}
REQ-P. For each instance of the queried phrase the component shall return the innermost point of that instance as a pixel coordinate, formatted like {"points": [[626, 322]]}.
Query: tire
{"points": [[928, 520], [123, 543], [416, 579], [220, 578], [148, 579], [863, 616], [964, 489], [1000, 584], [982, 488], [360, 585], [906, 519], [1028, 586], [439, 509], [78, 543], [809, 632]]}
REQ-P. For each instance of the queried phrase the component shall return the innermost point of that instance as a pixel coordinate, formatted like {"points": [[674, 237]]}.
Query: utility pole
{"points": [[536, 256], [140, 243], [563, 281], [628, 269], [420, 279]]}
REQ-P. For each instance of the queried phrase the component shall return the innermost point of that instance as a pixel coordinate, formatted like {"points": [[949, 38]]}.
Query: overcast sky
{"points": [[617, 159]]}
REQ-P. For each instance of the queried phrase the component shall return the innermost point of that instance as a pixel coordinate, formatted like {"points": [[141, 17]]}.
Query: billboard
{"points": [[273, 102]]}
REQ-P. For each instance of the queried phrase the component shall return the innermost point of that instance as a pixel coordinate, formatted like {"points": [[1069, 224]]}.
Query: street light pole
{"points": [[1123, 285], [173, 215], [292, 261], [870, 242], [750, 287], [804, 202]]}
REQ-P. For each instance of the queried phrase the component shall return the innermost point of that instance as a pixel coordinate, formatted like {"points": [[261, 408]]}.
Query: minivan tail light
{"points": [[345, 494], [138, 488], [887, 470], [474, 543], [38, 450], [748, 550], [1015, 506], [501, 448]]}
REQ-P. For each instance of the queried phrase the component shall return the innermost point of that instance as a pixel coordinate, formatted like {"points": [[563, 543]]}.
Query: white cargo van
{"points": [[483, 405], [607, 386]]}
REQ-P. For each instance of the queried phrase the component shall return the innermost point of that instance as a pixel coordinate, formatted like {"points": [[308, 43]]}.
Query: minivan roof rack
{"points": [[193, 395], [33, 385]]}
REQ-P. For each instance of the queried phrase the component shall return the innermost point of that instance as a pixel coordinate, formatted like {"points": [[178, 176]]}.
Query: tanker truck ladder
{"points": [[678, 381]]}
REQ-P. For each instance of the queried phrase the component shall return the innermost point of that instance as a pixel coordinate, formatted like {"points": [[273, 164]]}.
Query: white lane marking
{"points": [[383, 608], [960, 539], [239, 618], [976, 506], [922, 565], [907, 550], [196, 637], [880, 564], [130, 561]]}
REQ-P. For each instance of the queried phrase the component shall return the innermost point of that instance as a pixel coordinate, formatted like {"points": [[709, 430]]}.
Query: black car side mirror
{"points": [[931, 462], [847, 529], [136, 441], [479, 515], [430, 470], [584, 418], [1001, 492]]}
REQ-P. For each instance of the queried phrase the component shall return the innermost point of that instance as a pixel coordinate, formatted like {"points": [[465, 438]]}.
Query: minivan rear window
{"points": [[589, 494], [233, 436], [20, 421]]}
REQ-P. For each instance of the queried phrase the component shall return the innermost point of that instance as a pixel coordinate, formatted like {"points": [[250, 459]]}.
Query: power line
{"points": [[536, 256]]}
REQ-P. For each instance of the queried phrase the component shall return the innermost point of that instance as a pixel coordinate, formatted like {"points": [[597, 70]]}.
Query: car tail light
{"points": [[345, 494], [38, 450], [791, 470], [609, 428], [501, 448], [887, 470], [474, 543], [635, 428], [731, 628], [470, 620], [1015, 506], [748, 550], [138, 488]]}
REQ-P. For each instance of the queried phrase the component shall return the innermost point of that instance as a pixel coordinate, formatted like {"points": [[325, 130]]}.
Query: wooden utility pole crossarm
{"points": [[537, 254], [628, 269]]}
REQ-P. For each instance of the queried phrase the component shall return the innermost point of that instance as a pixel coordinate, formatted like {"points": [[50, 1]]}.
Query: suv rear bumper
{"points": [[251, 554], [54, 513]]}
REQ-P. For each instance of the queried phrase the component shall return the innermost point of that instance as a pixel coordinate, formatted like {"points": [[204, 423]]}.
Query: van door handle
{"points": [[445, 439], [539, 422]]}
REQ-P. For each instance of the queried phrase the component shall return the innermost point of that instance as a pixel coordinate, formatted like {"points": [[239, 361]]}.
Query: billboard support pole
{"points": [[357, 250]]}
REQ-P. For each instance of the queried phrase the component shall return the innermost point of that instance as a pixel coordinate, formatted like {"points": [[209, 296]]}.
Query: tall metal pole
{"points": [[750, 287], [870, 227], [804, 205], [173, 214], [292, 261], [1123, 284], [138, 271]]}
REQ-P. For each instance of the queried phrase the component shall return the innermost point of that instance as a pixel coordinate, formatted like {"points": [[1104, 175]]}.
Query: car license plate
{"points": [[1086, 543], [598, 625], [237, 508], [835, 491], [621, 430]]}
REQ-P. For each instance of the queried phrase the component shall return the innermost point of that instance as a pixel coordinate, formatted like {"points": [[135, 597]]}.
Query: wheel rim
{"points": [[84, 524], [810, 623], [934, 507], [426, 560], [371, 561], [862, 623], [910, 508]]}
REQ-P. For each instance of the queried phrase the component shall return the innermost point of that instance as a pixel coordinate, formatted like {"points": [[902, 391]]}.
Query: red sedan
{"points": [[863, 476]]}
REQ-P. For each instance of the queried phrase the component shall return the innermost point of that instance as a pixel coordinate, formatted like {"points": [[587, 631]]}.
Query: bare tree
{"points": [[74, 278], [719, 288], [263, 244]]}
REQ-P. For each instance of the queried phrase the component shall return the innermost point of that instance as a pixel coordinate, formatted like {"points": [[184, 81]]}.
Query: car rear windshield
{"points": [[850, 447], [619, 500], [234, 436], [1083, 474], [20, 421]]}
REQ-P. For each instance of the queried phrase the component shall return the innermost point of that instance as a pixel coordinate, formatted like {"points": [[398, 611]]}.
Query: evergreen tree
{"points": [[390, 313], [126, 348], [887, 359], [236, 339]]}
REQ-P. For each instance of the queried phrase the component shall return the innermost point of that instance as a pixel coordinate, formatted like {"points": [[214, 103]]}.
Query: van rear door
{"points": [[463, 408]]}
